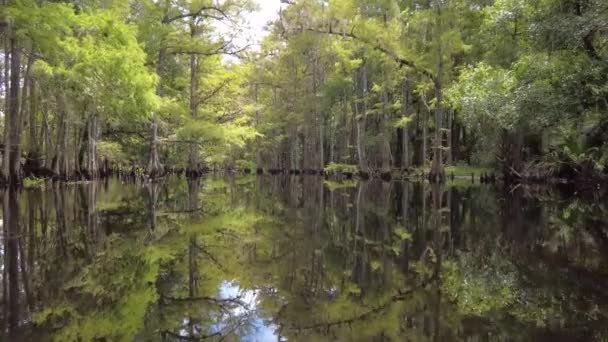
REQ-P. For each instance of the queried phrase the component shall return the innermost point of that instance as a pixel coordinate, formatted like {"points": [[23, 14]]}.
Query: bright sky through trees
{"points": [[269, 10], [258, 22]]}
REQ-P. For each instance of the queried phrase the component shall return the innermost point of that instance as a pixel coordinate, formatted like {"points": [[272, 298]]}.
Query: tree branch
{"points": [[197, 13], [226, 117], [214, 91], [401, 295], [400, 60]]}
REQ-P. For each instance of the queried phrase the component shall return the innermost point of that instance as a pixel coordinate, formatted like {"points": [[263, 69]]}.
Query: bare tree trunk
{"points": [[12, 158], [405, 95], [25, 97], [386, 146], [34, 144], [317, 114], [437, 169], [258, 152], [92, 132], [5, 167], [437, 173], [450, 125], [60, 162], [361, 120], [155, 168], [425, 136], [513, 154], [194, 150], [46, 140]]}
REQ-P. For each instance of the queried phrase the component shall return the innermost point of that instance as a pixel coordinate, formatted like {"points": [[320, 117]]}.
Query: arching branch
{"points": [[198, 13], [400, 60]]}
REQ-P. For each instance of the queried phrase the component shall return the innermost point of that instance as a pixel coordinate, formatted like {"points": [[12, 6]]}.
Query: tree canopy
{"points": [[369, 86]]}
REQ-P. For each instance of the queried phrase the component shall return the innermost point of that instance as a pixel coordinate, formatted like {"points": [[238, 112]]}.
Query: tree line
{"points": [[516, 85], [356, 86], [89, 87]]}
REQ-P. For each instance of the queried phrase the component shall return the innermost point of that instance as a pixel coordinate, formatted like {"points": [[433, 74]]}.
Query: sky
{"points": [[255, 29], [269, 10]]}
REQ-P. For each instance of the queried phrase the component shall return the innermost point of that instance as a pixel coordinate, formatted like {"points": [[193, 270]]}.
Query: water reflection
{"points": [[301, 259]]}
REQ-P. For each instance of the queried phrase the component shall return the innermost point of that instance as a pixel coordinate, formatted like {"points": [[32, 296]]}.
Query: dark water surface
{"points": [[297, 259]]}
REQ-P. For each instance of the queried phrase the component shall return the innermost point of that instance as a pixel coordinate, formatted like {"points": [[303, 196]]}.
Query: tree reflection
{"points": [[299, 258]]}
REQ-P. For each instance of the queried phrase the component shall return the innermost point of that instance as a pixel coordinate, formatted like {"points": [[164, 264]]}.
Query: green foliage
{"points": [[462, 169], [479, 292], [341, 168], [345, 184], [484, 95], [402, 233], [33, 182], [112, 151], [245, 164]]}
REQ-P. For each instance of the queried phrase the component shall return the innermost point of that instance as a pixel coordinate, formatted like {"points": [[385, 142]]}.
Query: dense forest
{"points": [[171, 173], [369, 87]]}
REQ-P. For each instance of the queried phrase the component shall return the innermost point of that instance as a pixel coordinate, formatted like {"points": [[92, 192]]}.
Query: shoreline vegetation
{"points": [[338, 174], [392, 89]]}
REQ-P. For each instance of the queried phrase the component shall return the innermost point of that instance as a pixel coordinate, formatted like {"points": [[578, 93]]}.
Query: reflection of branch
{"points": [[215, 261], [228, 233], [401, 295], [219, 301], [182, 211], [190, 338], [234, 323]]}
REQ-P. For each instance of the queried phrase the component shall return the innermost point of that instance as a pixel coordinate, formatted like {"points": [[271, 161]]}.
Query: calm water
{"points": [[297, 259]]}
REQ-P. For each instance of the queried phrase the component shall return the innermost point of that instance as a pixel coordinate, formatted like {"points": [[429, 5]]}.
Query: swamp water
{"points": [[299, 259]]}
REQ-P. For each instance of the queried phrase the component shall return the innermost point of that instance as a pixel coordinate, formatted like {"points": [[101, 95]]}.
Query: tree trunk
{"points": [[386, 147], [4, 171], [361, 120], [437, 173], [512, 154], [46, 140], [11, 222], [317, 114], [194, 150], [456, 138], [33, 158], [449, 136], [425, 136], [60, 160], [82, 138], [258, 151], [92, 131], [155, 168], [12, 157], [405, 97]]}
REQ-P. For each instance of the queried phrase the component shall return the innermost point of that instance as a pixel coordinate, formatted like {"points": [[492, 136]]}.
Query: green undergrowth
{"points": [[462, 183], [456, 170], [467, 170], [245, 164], [33, 182], [341, 168], [333, 186]]}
